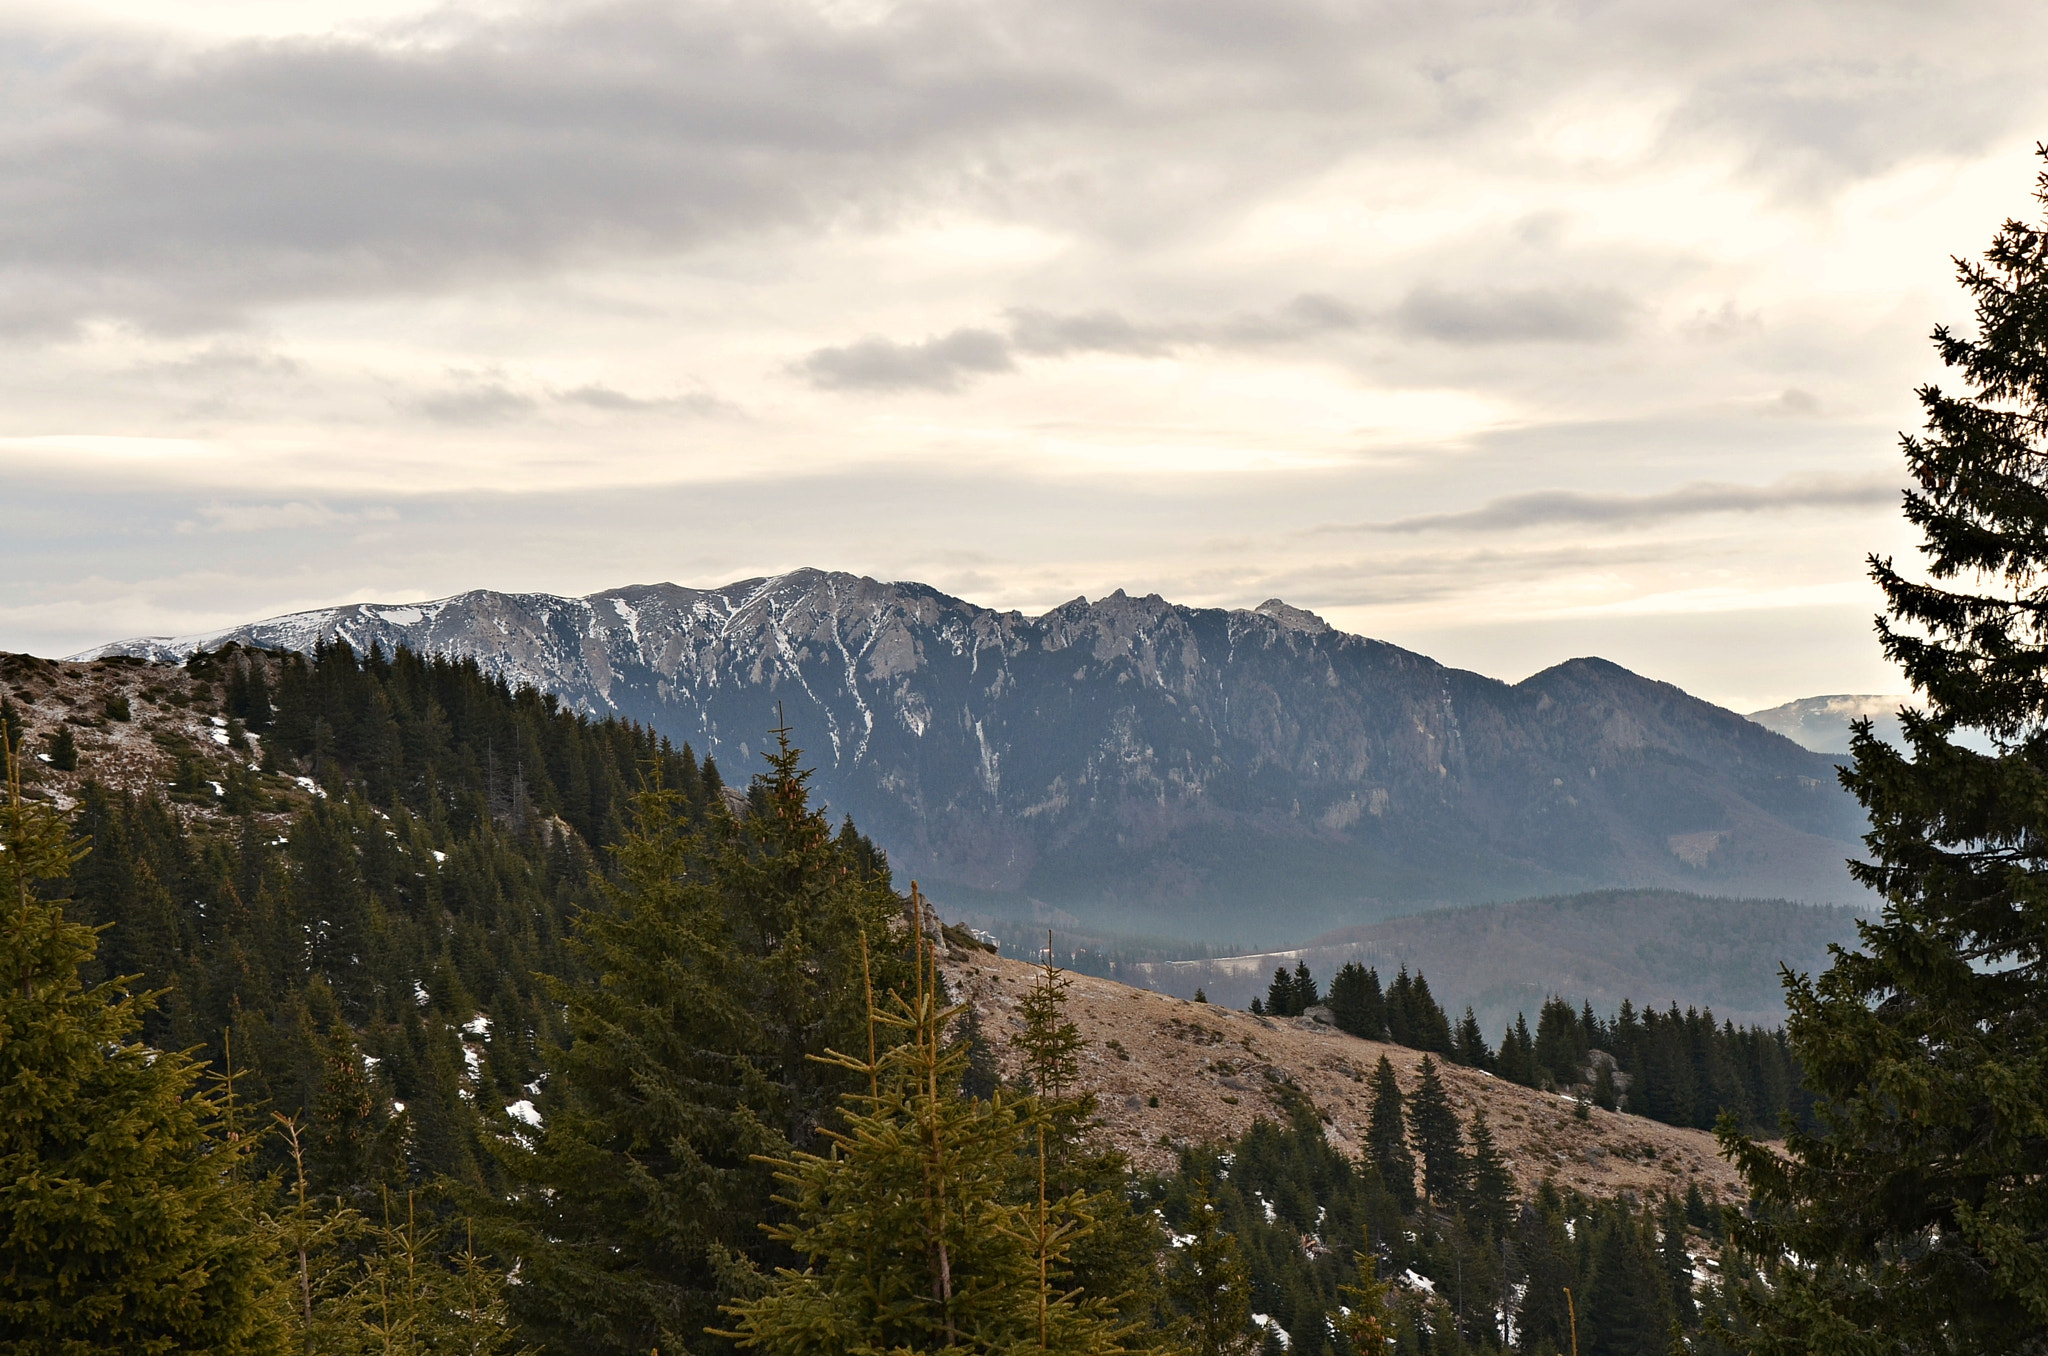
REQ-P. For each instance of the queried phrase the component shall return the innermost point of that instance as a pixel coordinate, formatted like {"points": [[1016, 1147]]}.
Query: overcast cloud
{"points": [[1501, 331]]}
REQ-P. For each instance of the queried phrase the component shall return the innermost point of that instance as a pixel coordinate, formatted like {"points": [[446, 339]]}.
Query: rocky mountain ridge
{"points": [[1159, 767]]}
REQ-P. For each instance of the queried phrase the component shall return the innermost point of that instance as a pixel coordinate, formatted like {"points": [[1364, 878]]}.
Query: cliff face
{"points": [[1146, 765]]}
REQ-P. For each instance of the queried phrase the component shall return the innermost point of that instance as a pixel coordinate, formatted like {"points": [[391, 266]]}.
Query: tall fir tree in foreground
{"points": [[725, 964], [1113, 1260], [909, 1234], [1918, 1219], [123, 1223]]}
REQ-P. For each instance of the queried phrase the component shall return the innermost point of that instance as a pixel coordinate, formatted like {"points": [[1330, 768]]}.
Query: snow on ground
{"points": [[1265, 1321]]}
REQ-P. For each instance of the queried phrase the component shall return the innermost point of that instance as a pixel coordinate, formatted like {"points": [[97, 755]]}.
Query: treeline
{"points": [[385, 947], [1680, 1068], [1484, 1272]]}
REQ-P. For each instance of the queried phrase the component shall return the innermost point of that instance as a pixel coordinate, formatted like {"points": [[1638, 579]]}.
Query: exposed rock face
{"points": [[1148, 765]]}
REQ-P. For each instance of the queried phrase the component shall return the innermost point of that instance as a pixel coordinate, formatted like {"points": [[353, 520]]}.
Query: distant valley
{"points": [[1651, 947], [1148, 767]]}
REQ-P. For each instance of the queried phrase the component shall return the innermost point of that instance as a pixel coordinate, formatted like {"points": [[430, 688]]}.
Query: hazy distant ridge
{"points": [[1822, 723], [1652, 947]]}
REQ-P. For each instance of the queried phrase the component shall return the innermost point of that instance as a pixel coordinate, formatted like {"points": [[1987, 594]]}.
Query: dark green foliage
{"points": [[1517, 1059], [1918, 1212], [1676, 1067], [1049, 1042], [1290, 995], [124, 1224], [1489, 1186], [64, 749], [910, 1235], [248, 689], [1625, 1306], [1302, 1220], [1113, 1258], [983, 1074], [1322, 1209], [1604, 1094], [1434, 1127], [1208, 1286], [1561, 1043], [722, 962], [1468, 1044], [1356, 1003], [1413, 1017], [1386, 1137], [392, 916], [117, 708]]}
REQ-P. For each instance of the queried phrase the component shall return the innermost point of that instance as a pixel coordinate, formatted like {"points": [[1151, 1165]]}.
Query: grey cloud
{"points": [[1052, 335], [1793, 403], [1813, 123], [601, 397], [938, 364], [1505, 316], [1557, 507], [1307, 316], [183, 190], [295, 515], [481, 403], [476, 398], [947, 362]]}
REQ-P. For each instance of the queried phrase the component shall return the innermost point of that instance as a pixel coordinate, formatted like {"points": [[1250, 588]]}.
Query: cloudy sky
{"points": [[1508, 332]]}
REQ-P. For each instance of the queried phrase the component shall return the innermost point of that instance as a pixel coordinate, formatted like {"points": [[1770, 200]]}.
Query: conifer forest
{"points": [[419, 1013]]}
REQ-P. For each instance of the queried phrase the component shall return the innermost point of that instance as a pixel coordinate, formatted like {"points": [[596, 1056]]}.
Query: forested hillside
{"points": [[362, 912], [478, 986]]}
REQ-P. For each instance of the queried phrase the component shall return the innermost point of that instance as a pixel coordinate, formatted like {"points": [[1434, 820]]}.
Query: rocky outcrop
{"points": [[1152, 766]]}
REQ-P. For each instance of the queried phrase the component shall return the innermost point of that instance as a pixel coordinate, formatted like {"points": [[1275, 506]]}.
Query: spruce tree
{"points": [[1468, 1043], [1356, 1003], [1113, 1258], [909, 1239], [1916, 1219], [722, 965], [1305, 995], [1280, 994], [1049, 1043], [1365, 1321], [1386, 1137], [1438, 1140], [1626, 1307], [1489, 1186], [1209, 1286], [11, 727], [124, 1225]]}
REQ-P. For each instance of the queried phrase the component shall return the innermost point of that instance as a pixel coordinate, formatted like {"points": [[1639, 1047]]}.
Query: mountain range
{"points": [[1186, 771], [1822, 723]]}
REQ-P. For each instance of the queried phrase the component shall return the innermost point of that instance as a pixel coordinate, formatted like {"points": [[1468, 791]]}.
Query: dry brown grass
{"points": [[1211, 1070]]}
